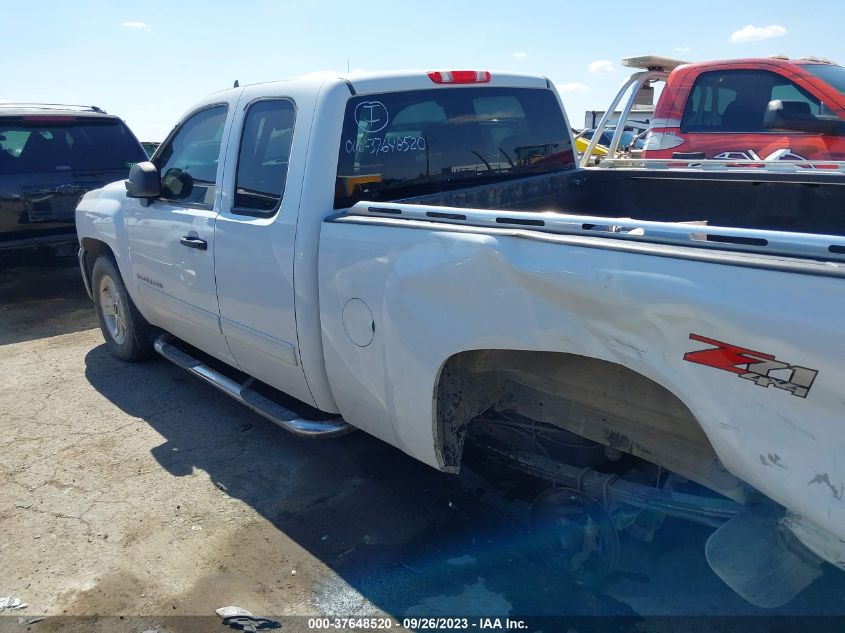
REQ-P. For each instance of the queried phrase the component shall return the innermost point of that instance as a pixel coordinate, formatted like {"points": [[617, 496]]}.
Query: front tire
{"points": [[128, 335]]}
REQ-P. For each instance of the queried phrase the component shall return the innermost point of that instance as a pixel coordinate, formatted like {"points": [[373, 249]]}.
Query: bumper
{"points": [[35, 251]]}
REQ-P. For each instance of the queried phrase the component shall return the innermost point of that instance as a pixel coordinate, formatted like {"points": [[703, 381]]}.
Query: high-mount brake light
{"points": [[459, 76]]}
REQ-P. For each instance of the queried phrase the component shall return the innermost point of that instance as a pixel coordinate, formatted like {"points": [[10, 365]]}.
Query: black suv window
{"points": [[404, 144], [188, 161], [736, 100], [263, 156], [56, 143]]}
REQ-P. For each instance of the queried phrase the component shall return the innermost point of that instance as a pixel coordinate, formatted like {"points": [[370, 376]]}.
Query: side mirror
{"points": [[795, 116], [177, 183], [144, 181]]}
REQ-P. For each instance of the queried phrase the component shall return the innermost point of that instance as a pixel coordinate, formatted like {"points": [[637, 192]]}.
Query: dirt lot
{"points": [[138, 490]]}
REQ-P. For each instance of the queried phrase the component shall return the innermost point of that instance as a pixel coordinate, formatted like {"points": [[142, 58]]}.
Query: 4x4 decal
{"points": [[763, 369]]}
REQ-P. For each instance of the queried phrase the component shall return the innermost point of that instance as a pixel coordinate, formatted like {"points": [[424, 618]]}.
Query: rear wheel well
{"points": [[601, 401]]}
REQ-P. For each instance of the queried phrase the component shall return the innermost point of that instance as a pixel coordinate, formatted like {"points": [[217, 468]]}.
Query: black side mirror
{"points": [[177, 184], [144, 181], [795, 116]]}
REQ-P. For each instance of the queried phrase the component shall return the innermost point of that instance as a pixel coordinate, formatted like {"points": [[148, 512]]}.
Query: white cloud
{"points": [[600, 67], [136, 26], [573, 87], [682, 49], [753, 33], [520, 54]]}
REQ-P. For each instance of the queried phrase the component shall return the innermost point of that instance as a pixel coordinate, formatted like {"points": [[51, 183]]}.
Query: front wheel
{"points": [[128, 335]]}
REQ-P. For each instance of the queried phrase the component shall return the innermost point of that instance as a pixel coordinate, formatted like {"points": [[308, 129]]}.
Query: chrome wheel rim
{"points": [[114, 312]]}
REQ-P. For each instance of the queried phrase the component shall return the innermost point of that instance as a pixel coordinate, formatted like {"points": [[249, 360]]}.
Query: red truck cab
{"points": [[766, 109]]}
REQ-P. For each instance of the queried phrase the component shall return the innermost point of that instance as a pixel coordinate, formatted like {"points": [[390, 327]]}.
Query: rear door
{"points": [[256, 232], [171, 240]]}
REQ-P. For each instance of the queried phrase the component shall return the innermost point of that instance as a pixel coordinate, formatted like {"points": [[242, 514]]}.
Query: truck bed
{"points": [[635, 335], [769, 201]]}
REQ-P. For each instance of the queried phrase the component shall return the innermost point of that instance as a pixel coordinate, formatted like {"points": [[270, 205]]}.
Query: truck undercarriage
{"points": [[617, 452]]}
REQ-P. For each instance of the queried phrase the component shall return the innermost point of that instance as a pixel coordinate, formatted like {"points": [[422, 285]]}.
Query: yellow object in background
{"points": [[581, 144]]}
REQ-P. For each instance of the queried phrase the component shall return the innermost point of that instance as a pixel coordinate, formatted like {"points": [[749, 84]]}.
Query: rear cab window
{"points": [[60, 143], [404, 144]]}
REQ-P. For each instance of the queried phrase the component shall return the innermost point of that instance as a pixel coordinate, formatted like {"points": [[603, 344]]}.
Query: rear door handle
{"points": [[194, 242]]}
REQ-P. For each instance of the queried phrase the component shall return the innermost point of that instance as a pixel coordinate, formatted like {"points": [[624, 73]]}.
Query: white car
{"points": [[417, 255]]}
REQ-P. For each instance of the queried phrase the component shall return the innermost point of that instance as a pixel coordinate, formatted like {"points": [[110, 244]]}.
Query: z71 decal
{"points": [[763, 369]]}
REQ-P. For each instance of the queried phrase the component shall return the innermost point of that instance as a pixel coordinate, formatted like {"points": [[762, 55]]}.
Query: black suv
{"points": [[50, 155]]}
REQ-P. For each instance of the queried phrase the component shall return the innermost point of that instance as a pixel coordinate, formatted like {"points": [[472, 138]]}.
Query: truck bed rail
{"points": [[809, 167], [821, 248]]}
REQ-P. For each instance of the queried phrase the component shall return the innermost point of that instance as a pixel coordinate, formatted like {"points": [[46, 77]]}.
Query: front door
{"points": [[724, 118], [171, 240], [256, 233]]}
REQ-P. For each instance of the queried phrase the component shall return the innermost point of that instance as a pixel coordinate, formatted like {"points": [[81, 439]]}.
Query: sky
{"points": [[148, 61]]}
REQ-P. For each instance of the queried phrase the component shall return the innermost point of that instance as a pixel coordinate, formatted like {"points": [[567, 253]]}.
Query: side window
{"points": [[736, 100], [14, 140], [263, 157], [188, 162], [790, 92]]}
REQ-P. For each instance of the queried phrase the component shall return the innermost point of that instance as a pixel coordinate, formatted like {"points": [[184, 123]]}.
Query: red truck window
{"points": [[832, 75], [736, 100]]}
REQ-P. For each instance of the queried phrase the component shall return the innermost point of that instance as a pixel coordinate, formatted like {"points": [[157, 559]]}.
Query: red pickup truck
{"points": [[759, 109]]}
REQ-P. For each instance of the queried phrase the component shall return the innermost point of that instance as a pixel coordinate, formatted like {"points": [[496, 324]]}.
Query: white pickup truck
{"points": [[418, 255]]}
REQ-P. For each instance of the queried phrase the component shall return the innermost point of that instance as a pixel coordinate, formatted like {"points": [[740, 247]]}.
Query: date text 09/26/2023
{"points": [[417, 624]]}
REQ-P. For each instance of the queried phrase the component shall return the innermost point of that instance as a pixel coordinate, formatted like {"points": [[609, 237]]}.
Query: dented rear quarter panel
{"points": [[435, 292]]}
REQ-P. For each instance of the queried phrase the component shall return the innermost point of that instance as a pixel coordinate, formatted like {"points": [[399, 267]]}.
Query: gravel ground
{"points": [[136, 490]]}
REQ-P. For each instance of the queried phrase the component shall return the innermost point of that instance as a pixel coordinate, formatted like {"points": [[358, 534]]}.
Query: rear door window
{"points": [[263, 156], [404, 144], [42, 143]]}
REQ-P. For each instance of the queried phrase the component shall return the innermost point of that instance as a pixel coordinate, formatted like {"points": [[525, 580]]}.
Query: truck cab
{"points": [[223, 252], [751, 109]]}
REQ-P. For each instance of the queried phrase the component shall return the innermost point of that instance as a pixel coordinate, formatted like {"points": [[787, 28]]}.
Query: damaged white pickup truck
{"points": [[418, 255]]}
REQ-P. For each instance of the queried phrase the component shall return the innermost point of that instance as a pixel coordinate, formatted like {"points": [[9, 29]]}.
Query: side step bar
{"points": [[273, 411]]}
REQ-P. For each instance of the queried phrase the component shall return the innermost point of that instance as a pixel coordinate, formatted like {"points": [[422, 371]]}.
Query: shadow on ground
{"points": [[408, 539], [42, 302]]}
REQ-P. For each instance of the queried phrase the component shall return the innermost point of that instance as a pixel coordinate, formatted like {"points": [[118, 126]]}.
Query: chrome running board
{"points": [[273, 411]]}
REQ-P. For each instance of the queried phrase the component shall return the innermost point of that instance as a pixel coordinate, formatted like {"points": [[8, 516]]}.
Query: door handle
{"points": [[194, 242]]}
